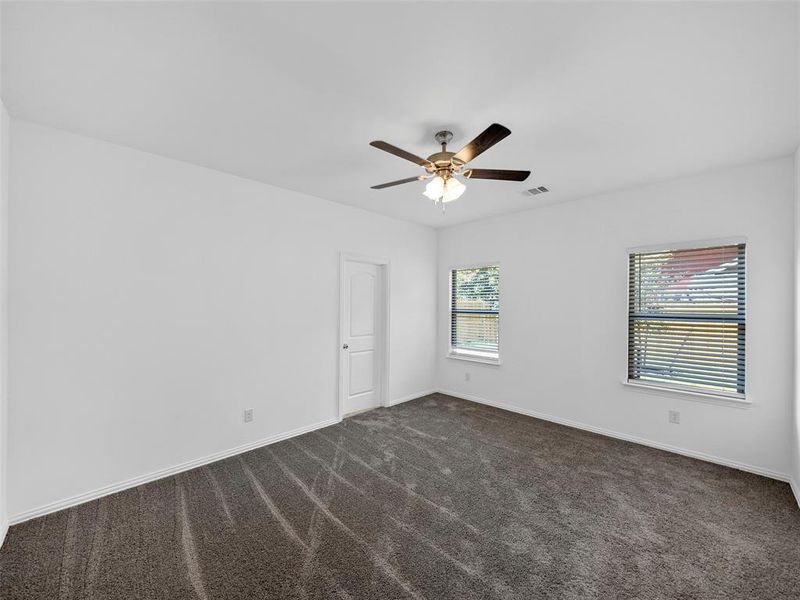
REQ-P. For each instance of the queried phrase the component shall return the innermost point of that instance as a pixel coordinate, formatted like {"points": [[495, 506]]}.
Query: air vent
{"points": [[538, 190]]}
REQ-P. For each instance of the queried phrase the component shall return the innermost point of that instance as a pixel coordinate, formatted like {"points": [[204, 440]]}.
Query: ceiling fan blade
{"points": [[496, 174], [493, 134], [381, 145], [398, 182]]}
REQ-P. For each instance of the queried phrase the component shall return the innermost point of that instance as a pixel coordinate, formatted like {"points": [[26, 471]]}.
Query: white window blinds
{"points": [[475, 311], [686, 318]]}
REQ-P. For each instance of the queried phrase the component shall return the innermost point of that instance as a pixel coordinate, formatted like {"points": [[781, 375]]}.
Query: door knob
{"points": [[345, 346]]}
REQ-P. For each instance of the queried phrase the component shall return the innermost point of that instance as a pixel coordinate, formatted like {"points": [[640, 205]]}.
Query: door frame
{"points": [[383, 358]]}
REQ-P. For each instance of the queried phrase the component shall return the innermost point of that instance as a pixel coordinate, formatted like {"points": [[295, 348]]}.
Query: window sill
{"points": [[701, 396], [487, 360]]}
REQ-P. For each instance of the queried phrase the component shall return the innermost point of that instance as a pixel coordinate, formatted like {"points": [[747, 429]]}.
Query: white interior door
{"points": [[362, 336]]}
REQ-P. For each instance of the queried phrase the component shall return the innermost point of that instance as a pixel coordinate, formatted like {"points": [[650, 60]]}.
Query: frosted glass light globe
{"points": [[453, 190], [435, 188]]}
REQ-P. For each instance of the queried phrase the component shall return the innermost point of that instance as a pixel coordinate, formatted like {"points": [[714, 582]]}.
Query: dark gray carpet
{"points": [[435, 498]]}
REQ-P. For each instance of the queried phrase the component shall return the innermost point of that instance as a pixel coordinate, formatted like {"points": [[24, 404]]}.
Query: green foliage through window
{"points": [[475, 310]]}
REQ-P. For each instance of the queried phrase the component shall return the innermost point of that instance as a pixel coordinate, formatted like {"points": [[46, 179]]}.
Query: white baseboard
{"points": [[3, 530], [795, 490], [626, 437], [411, 397], [133, 482], [160, 474]]}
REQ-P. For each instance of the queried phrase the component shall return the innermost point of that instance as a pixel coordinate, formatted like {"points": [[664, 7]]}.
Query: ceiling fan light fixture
{"points": [[435, 188], [453, 190]]}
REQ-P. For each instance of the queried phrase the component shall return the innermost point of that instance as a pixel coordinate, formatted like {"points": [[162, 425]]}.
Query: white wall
{"points": [[4, 170], [795, 450], [563, 310], [151, 301], [795, 454]]}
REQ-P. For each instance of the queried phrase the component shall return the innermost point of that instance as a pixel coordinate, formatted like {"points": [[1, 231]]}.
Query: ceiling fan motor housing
{"points": [[443, 163]]}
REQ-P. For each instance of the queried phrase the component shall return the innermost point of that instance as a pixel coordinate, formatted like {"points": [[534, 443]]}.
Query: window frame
{"points": [[738, 399], [460, 354]]}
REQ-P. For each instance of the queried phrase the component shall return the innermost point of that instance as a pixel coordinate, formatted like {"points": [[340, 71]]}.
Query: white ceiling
{"points": [[598, 96]]}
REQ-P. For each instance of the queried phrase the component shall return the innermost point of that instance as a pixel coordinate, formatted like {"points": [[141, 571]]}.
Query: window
{"points": [[475, 313], [686, 319]]}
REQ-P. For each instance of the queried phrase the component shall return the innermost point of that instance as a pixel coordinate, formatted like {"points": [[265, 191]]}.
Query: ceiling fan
{"points": [[443, 167]]}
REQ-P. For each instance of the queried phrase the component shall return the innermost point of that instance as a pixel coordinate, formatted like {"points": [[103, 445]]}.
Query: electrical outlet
{"points": [[467, 376], [675, 417], [248, 415]]}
